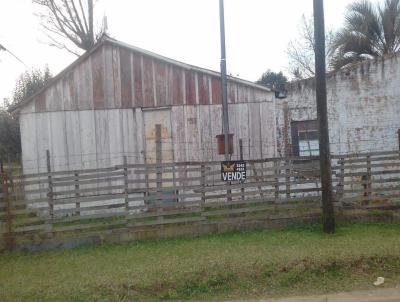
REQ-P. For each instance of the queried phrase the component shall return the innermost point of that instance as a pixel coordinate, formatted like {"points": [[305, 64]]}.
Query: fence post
{"points": [[77, 194], [8, 235], [203, 183], [50, 182], [288, 164], [276, 171], [241, 158], [126, 183], [369, 178], [398, 134], [158, 162], [341, 182]]}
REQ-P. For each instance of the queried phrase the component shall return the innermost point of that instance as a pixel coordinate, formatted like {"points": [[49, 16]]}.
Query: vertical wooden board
{"points": [[97, 64], [242, 127], [57, 102], [73, 82], [148, 82], [126, 128], [216, 129], [102, 138], [126, 78], [204, 93], [67, 98], [268, 129], [232, 89], [88, 138], [242, 94], [116, 77], [28, 108], [58, 149], [207, 141], [138, 131], [151, 119], [85, 87], [160, 70], [233, 129], [190, 87], [43, 138], [29, 143], [50, 100], [251, 92], [193, 139], [108, 77], [255, 130], [40, 102], [137, 79], [216, 91], [73, 134], [176, 86], [116, 146], [178, 132]]}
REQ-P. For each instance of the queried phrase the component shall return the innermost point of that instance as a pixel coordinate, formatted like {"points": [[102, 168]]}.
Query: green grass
{"points": [[299, 260]]}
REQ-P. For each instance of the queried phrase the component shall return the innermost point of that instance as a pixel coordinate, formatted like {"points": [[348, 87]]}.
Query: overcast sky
{"points": [[257, 33]]}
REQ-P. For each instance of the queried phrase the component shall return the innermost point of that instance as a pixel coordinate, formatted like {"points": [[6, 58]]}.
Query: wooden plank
{"points": [[364, 154], [126, 78], [137, 79], [98, 79], [176, 83], [91, 198], [89, 190], [109, 77], [204, 92], [161, 82], [216, 91], [91, 181], [190, 88], [148, 89]]}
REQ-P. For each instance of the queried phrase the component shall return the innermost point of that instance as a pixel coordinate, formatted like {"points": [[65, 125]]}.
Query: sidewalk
{"points": [[376, 295]]}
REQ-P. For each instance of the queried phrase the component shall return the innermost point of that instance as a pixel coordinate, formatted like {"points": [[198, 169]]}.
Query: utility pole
{"points": [[328, 216], [225, 112]]}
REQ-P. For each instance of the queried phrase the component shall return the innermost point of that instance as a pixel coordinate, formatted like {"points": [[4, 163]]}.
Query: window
{"points": [[305, 138]]}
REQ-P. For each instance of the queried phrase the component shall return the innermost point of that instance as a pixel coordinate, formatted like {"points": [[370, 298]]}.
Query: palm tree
{"points": [[369, 31]]}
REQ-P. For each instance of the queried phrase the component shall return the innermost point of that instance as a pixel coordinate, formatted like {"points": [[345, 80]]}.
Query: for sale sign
{"points": [[233, 170]]}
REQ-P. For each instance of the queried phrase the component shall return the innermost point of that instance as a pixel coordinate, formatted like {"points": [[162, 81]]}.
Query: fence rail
{"points": [[67, 204]]}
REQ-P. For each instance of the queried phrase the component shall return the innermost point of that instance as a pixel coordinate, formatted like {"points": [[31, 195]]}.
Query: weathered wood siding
{"points": [[114, 77], [94, 113]]}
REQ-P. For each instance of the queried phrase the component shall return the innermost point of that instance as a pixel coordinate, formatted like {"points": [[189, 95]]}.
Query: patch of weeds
{"points": [[201, 285]]}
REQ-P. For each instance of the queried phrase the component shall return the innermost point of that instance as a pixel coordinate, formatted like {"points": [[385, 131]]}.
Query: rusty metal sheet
{"points": [[126, 87]]}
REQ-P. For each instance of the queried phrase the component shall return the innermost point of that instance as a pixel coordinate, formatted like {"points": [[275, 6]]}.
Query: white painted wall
{"points": [[363, 107]]}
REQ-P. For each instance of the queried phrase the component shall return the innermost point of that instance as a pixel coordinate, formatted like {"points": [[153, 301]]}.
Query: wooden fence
{"points": [[62, 206]]}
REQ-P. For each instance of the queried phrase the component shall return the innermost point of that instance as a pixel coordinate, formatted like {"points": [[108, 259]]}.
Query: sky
{"points": [[257, 33]]}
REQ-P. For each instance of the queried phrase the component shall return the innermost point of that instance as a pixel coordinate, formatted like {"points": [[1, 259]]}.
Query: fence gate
{"points": [[159, 147]]}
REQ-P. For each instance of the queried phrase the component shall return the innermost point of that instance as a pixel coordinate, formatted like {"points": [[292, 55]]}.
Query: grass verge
{"points": [[300, 260]]}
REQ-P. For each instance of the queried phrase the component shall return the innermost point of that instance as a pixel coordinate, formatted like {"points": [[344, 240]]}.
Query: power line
{"points": [[2, 47]]}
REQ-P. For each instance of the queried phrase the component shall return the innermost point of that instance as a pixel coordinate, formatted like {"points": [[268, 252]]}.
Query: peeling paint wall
{"points": [[363, 107]]}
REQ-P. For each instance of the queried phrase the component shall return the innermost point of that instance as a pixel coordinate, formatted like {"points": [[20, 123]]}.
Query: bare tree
{"points": [[71, 20], [301, 51]]}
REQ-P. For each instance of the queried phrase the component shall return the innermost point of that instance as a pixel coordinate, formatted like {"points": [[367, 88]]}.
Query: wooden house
{"points": [[117, 100]]}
